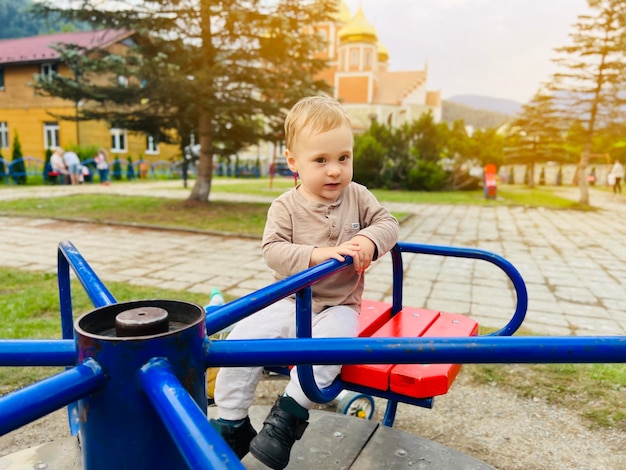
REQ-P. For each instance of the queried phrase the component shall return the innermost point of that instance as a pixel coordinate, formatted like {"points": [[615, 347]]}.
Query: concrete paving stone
{"points": [[447, 305], [546, 317], [538, 305], [492, 296], [546, 330], [575, 294], [451, 290], [568, 251], [238, 292], [173, 285], [134, 272], [577, 310], [593, 327]]}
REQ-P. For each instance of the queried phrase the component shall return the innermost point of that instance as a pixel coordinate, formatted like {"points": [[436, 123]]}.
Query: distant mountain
{"points": [[488, 103], [477, 118]]}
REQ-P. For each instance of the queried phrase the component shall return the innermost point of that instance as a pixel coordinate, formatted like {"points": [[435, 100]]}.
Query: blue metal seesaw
{"points": [[135, 384]]}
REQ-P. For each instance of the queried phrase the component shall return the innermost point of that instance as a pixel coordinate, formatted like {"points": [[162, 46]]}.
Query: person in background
{"points": [[327, 216], [102, 165], [618, 176], [57, 165], [72, 162]]}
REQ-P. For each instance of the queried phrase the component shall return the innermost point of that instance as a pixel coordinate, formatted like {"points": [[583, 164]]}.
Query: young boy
{"points": [[326, 216]]}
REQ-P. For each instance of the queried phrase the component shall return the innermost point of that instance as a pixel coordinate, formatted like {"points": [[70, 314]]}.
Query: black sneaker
{"points": [[272, 446], [237, 437]]}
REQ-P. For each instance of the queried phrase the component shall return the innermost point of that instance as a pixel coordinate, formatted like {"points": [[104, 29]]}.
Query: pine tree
{"points": [[18, 169], [591, 73], [225, 69], [3, 170], [536, 135], [130, 169]]}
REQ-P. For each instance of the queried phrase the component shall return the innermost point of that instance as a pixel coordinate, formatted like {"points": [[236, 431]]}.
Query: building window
{"points": [[368, 59], [354, 57], [4, 135], [1, 79], [51, 135], [47, 70], [118, 140], [152, 145]]}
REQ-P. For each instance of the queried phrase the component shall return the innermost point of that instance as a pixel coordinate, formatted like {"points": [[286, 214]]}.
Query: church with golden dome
{"points": [[359, 74]]}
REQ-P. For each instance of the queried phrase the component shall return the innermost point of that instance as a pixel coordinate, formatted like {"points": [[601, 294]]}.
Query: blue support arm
{"points": [[30, 403], [200, 445], [69, 256], [20, 353], [458, 350]]}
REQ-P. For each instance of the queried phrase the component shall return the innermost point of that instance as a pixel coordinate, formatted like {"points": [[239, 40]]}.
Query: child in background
{"points": [[326, 216]]}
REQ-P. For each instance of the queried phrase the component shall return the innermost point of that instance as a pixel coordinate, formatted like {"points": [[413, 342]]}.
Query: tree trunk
{"points": [[583, 185], [202, 188]]}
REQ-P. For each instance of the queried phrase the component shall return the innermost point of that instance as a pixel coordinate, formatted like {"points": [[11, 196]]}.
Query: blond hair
{"points": [[321, 113]]}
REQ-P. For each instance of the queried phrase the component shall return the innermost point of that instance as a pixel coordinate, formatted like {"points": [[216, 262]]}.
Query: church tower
{"points": [[358, 61], [358, 71]]}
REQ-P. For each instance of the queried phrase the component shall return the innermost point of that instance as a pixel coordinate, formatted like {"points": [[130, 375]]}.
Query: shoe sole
{"points": [[266, 459]]}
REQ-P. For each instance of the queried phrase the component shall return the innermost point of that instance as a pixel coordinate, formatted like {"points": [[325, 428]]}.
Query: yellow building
{"points": [[359, 73], [31, 116]]}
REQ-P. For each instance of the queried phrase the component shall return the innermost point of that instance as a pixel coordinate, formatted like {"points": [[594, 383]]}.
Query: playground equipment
{"points": [[134, 384]]}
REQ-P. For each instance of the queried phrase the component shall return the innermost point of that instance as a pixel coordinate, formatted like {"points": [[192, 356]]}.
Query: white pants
{"points": [[235, 386]]}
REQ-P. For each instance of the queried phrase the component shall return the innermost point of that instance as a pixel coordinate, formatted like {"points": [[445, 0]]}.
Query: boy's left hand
{"points": [[363, 258]]}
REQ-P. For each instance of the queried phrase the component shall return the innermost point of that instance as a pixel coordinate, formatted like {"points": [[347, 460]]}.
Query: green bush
{"points": [[130, 171], [426, 176], [18, 170], [369, 161]]}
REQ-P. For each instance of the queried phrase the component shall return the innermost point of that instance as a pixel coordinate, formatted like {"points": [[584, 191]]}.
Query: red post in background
{"points": [[490, 186]]}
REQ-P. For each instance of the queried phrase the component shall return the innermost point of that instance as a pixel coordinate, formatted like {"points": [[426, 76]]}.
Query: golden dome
{"points": [[342, 15], [358, 30], [383, 53]]}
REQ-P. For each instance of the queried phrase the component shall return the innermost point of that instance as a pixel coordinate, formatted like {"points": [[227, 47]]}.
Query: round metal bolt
{"points": [[142, 321]]}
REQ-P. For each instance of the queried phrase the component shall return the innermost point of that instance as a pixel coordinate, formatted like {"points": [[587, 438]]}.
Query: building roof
{"points": [[358, 30], [38, 48], [394, 86], [342, 15]]}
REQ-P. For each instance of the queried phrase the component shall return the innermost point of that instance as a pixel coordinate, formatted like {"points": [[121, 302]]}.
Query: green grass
{"points": [[243, 218], [508, 195], [232, 217], [29, 302]]}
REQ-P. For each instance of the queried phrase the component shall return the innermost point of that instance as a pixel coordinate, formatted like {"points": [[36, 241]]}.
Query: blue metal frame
{"points": [[181, 415]]}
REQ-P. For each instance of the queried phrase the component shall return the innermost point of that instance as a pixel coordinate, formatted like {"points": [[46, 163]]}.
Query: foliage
{"points": [[369, 161], [130, 170], [225, 70], [536, 134], [117, 170], [590, 77], [18, 169], [19, 21], [424, 155]]}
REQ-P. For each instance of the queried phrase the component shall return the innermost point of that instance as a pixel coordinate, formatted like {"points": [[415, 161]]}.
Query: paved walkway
{"points": [[574, 263]]}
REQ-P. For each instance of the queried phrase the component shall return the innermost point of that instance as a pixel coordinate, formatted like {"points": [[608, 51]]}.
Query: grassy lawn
{"points": [[29, 302], [243, 218]]}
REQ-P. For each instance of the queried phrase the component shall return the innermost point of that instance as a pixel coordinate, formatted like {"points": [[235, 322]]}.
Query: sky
{"points": [[498, 48]]}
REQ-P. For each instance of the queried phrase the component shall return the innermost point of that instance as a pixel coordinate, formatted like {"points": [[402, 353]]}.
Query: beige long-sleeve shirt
{"points": [[296, 225]]}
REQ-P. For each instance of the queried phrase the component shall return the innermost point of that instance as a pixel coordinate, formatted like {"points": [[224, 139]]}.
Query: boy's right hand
{"points": [[319, 255]]}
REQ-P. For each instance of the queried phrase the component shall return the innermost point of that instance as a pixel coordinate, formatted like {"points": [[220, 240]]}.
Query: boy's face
{"points": [[323, 162]]}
